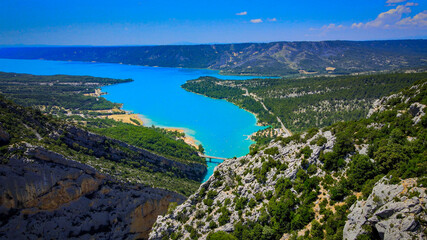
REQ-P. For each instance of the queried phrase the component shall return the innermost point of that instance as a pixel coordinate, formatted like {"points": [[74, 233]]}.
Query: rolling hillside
{"points": [[276, 58]]}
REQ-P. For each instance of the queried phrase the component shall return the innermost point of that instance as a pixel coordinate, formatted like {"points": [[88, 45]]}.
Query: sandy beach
{"points": [[126, 118], [134, 119], [137, 120], [187, 139]]}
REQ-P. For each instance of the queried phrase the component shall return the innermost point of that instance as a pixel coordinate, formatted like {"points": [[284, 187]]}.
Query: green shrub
{"points": [[312, 169], [319, 141], [240, 203], [361, 169], [306, 151], [252, 203], [220, 235], [339, 191], [212, 225], [388, 156], [332, 161], [272, 151]]}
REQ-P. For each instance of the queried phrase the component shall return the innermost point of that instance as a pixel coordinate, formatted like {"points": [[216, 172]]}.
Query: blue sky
{"points": [[147, 22]]}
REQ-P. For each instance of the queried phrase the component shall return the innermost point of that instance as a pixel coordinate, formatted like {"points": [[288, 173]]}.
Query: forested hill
{"points": [[352, 180], [276, 58], [303, 103], [72, 99], [59, 181]]}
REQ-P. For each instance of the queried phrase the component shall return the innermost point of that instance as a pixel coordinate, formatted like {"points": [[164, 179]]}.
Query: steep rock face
{"points": [[392, 211], [4, 136], [195, 210], [46, 195], [101, 146], [97, 143], [313, 185]]}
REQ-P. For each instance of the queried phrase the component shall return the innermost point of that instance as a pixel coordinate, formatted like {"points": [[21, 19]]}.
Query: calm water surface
{"points": [[156, 93]]}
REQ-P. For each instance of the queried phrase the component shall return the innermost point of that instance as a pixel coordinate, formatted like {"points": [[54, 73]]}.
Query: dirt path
{"points": [[35, 132], [256, 98]]}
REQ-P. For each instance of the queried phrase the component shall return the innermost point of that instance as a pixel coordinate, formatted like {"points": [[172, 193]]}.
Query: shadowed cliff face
{"points": [[113, 150], [43, 194], [51, 189]]}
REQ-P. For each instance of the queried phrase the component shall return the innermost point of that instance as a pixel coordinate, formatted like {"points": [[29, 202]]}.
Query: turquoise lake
{"points": [[156, 93]]}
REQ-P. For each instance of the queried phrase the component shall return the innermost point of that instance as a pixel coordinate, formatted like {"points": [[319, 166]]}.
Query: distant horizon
{"points": [[198, 44], [191, 22]]}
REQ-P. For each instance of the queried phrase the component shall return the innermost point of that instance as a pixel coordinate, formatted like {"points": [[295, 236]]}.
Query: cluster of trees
{"points": [[66, 92], [154, 139], [60, 93], [57, 90], [307, 102], [211, 88], [22, 124], [397, 149]]}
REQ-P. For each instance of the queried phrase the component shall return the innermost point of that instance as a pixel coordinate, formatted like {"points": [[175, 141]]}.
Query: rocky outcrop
{"points": [[195, 211], [417, 111], [392, 211], [4, 136], [45, 195], [100, 146], [113, 150]]}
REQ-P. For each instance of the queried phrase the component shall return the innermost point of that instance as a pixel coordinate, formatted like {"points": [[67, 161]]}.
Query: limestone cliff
{"points": [[235, 180], [392, 211], [45, 195], [55, 181], [353, 180], [116, 150]]}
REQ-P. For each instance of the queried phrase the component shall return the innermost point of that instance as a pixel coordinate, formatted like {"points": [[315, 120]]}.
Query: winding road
{"points": [[256, 98]]}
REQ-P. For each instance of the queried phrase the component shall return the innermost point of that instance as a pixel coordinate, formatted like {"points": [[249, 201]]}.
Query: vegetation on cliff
{"points": [[303, 186], [30, 126], [61, 182], [69, 97], [155, 139]]}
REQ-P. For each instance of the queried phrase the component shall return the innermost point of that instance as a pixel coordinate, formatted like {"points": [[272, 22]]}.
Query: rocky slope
{"points": [[116, 150], [276, 58], [235, 184], [392, 211], [320, 184], [45, 195], [60, 181]]}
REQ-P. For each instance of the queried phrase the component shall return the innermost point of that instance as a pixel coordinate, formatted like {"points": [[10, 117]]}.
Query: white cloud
{"points": [[389, 18], [419, 20], [332, 26], [258, 20], [329, 27], [386, 19], [398, 17], [411, 4], [271, 19], [395, 1], [357, 25], [242, 13]]}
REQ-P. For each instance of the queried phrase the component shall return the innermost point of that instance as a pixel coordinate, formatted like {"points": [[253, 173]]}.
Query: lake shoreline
{"points": [[155, 95], [139, 119], [258, 122], [187, 138]]}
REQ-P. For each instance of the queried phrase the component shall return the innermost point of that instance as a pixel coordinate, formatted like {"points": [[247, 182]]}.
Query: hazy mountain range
{"points": [[276, 58]]}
